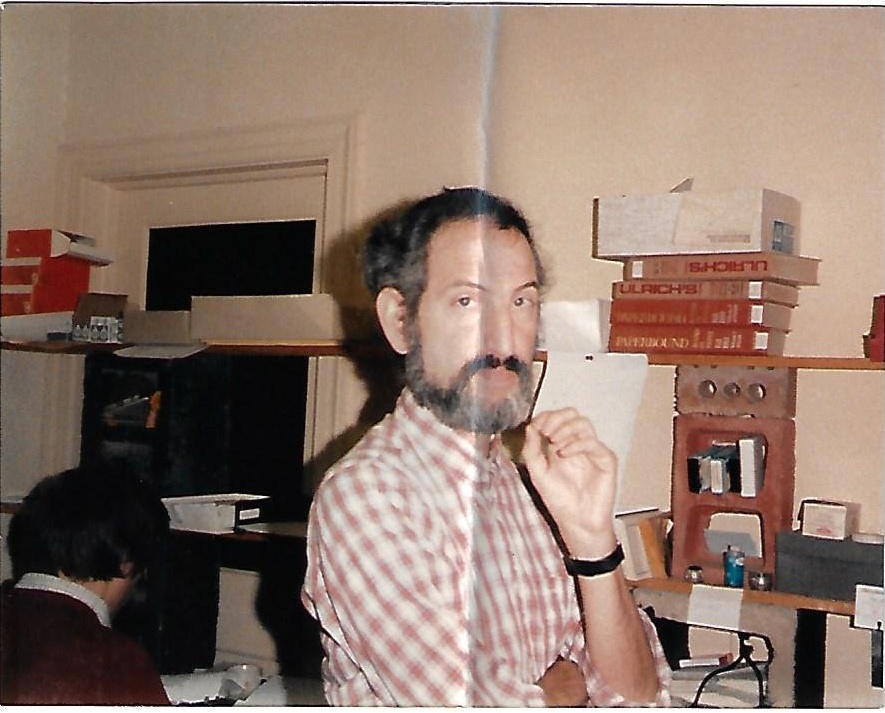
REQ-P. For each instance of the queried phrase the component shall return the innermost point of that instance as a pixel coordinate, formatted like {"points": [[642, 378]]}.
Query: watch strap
{"points": [[592, 568]]}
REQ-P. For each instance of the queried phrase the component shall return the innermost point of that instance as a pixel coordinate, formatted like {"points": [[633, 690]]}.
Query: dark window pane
{"points": [[238, 259]]}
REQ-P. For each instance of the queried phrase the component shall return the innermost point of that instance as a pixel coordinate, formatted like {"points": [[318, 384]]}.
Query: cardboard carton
{"points": [[35, 327], [45, 242], [36, 285], [829, 519], [745, 220], [157, 327], [278, 318], [97, 317]]}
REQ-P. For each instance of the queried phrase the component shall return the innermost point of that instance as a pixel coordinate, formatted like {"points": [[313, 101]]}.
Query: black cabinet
{"points": [[167, 420], [208, 423]]}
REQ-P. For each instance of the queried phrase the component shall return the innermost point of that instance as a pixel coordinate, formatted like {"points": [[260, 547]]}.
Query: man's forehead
{"points": [[477, 249], [479, 234]]}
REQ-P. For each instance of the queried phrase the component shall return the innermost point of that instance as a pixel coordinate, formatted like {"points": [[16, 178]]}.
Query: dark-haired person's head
{"points": [[94, 524], [395, 254], [457, 282]]}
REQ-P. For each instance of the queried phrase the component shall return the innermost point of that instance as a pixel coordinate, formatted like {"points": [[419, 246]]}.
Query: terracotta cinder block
{"points": [[692, 512], [736, 391]]}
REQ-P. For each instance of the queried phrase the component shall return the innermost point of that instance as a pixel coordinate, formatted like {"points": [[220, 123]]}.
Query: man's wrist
{"points": [[589, 544], [595, 567]]}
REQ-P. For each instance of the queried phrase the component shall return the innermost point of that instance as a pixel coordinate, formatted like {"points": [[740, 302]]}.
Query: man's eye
{"points": [[522, 302], [465, 301]]}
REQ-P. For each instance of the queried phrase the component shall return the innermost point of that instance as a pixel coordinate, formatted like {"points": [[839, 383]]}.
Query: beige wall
{"points": [[584, 101]]}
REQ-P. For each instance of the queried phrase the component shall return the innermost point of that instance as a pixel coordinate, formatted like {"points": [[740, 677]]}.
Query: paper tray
{"points": [[215, 513]]}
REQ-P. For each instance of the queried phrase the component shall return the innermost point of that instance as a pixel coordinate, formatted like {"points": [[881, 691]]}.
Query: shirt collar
{"points": [[50, 583]]}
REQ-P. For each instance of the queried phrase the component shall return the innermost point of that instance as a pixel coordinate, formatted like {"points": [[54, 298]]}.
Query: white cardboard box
{"points": [[828, 519], [743, 220], [157, 326], [215, 513], [34, 327], [276, 318]]}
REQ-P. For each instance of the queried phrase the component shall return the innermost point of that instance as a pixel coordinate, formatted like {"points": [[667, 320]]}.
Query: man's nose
{"points": [[497, 332]]}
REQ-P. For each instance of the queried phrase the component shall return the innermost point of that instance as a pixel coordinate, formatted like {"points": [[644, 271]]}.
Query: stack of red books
{"points": [[707, 303], [45, 270]]}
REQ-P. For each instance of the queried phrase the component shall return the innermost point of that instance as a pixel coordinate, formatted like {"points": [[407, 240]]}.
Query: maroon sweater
{"points": [[53, 649]]}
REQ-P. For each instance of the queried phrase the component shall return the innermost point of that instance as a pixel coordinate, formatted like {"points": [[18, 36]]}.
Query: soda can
{"points": [[733, 564]]}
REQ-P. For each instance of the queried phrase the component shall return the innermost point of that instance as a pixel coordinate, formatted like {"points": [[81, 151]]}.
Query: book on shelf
{"points": [[779, 267], [642, 535], [764, 290], [696, 339], [728, 467], [725, 473], [751, 454], [714, 469], [735, 312]]}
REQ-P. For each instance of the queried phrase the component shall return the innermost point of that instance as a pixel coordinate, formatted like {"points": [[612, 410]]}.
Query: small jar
{"points": [[759, 581], [694, 574]]}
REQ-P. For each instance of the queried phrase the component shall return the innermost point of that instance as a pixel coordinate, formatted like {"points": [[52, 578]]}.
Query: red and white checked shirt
{"points": [[435, 579]]}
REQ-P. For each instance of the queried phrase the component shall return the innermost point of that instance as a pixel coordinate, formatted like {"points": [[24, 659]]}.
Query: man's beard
{"points": [[460, 409]]}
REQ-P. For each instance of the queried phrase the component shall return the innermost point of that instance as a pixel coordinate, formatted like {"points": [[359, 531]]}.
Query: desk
{"points": [[793, 623]]}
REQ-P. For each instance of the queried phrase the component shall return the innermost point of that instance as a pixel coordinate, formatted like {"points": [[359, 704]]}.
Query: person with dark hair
{"points": [[434, 570], [78, 545]]}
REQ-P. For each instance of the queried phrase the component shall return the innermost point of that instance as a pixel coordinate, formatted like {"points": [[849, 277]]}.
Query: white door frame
{"points": [[91, 177]]}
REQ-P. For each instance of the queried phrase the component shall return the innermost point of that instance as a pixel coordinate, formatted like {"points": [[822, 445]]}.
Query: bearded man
{"points": [[434, 575]]}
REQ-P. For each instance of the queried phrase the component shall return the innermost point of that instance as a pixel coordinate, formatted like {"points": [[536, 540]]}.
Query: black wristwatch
{"points": [[592, 568]]}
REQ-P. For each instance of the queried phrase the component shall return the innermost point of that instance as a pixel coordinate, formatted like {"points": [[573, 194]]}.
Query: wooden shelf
{"points": [[313, 348], [59, 347], [769, 362], [772, 598], [337, 348]]}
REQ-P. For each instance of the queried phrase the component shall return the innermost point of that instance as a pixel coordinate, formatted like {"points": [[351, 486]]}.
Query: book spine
{"points": [[780, 267], [695, 339], [751, 452], [653, 533], [734, 312], [765, 290]]}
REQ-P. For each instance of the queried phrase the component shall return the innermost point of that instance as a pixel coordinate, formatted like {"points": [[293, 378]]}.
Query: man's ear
{"points": [[390, 306]]}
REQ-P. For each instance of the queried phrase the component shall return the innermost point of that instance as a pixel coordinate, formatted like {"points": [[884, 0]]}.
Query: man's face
{"points": [[473, 342]]}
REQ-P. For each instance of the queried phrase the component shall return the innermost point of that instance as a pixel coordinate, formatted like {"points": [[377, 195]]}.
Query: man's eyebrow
{"points": [[531, 284]]}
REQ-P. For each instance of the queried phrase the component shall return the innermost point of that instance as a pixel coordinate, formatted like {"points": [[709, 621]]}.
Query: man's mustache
{"points": [[490, 361]]}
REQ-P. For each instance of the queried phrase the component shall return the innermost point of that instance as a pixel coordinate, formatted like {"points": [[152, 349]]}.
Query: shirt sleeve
{"points": [[391, 591], [600, 694]]}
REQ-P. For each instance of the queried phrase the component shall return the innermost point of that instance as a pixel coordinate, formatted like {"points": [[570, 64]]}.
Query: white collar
{"points": [[51, 583]]}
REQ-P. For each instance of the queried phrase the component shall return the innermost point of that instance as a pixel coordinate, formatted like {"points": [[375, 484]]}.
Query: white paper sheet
{"points": [[160, 351], [607, 388], [715, 607]]}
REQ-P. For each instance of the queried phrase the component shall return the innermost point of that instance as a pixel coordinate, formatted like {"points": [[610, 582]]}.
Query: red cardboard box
{"points": [[45, 242], [55, 287]]}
